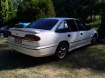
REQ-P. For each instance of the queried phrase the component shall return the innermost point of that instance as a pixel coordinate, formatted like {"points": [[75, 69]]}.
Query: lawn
{"points": [[86, 62]]}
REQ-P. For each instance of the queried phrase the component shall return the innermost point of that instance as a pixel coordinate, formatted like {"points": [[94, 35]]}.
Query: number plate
{"points": [[18, 40]]}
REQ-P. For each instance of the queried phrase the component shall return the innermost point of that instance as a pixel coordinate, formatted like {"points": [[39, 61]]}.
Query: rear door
{"points": [[84, 33]]}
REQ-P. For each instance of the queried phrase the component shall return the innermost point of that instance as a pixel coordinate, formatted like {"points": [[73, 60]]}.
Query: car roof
{"points": [[62, 18]]}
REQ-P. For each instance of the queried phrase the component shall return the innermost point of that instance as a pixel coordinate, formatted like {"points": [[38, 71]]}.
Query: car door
{"points": [[62, 32], [84, 33], [75, 36]]}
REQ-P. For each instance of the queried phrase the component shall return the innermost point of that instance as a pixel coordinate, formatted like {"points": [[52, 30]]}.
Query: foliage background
{"points": [[92, 12]]}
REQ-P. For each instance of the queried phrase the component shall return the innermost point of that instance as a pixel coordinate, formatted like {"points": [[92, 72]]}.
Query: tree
{"points": [[7, 11], [60, 8], [74, 8], [30, 10], [13, 5], [101, 29], [4, 11]]}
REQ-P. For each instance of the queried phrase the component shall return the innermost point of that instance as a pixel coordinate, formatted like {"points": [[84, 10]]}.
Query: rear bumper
{"points": [[35, 51]]}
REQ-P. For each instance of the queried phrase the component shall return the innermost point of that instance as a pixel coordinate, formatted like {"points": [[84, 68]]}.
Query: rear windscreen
{"points": [[46, 24]]}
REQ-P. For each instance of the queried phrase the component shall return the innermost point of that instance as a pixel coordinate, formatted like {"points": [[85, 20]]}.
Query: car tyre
{"points": [[62, 51], [94, 39]]}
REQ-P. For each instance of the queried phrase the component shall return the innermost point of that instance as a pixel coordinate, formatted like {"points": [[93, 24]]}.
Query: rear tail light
{"points": [[31, 37]]}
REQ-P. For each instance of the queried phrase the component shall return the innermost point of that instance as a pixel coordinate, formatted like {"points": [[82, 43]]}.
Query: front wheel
{"points": [[62, 51], [94, 39]]}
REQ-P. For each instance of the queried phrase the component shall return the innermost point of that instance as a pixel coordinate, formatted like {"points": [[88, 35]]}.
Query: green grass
{"points": [[86, 62]]}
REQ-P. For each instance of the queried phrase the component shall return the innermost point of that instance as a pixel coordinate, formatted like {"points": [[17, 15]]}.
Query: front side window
{"points": [[46, 24]]}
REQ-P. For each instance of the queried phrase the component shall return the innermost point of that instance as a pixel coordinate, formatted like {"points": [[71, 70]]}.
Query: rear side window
{"points": [[72, 25], [46, 24], [63, 27]]}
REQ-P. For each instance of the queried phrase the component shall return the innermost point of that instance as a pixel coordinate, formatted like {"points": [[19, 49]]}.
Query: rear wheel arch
{"points": [[64, 42], [62, 50], [94, 38], [95, 35]]}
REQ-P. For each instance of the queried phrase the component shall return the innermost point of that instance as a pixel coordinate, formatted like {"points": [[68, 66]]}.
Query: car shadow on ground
{"points": [[10, 59], [92, 57]]}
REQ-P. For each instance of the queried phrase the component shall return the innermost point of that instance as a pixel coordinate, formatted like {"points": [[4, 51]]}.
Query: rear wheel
{"points": [[62, 51]]}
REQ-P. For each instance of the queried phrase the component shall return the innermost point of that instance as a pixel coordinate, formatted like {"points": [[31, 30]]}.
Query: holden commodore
{"points": [[51, 36]]}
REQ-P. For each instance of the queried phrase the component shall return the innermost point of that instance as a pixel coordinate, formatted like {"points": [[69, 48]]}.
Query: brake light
{"points": [[31, 37]]}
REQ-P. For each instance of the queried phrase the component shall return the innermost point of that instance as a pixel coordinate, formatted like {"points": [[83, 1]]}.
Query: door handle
{"points": [[68, 35], [81, 33]]}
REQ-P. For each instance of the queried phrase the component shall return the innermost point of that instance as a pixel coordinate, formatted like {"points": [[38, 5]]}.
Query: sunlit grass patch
{"points": [[3, 43]]}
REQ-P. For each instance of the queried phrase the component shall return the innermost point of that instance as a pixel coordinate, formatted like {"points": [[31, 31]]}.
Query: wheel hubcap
{"points": [[93, 40], [62, 52]]}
